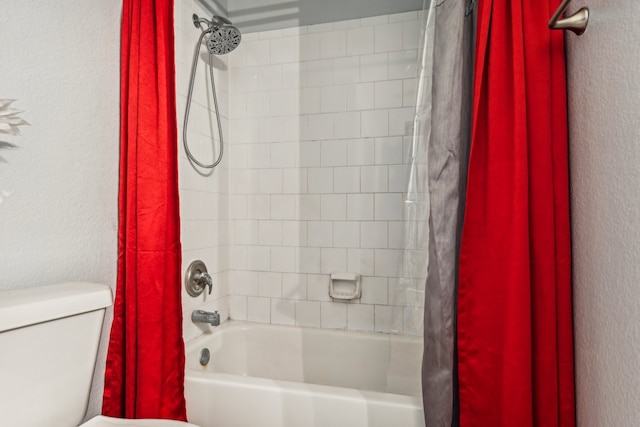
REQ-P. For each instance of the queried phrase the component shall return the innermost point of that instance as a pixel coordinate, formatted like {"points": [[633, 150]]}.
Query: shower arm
{"points": [[197, 22], [214, 24]]}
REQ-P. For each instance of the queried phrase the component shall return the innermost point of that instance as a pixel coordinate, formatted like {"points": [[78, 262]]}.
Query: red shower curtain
{"points": [[145, 362], [514, 305]]}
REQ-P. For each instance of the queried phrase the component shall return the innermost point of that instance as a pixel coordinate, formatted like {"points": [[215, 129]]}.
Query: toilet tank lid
{"points": [[28, 306]]}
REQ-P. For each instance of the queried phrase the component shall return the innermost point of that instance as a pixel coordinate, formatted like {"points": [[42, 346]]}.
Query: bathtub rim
{"points": [[245, 324], [193, 374]]}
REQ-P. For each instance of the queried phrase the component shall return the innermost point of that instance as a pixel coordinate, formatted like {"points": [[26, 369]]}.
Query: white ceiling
{"points": [[258, 15]]}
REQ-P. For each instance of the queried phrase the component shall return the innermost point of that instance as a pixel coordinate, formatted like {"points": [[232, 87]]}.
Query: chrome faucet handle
{"points": [[205, 279], [196, 279]]}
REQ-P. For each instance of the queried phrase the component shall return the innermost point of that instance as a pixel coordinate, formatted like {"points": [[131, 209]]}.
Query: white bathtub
{"points": [[283, 376]]}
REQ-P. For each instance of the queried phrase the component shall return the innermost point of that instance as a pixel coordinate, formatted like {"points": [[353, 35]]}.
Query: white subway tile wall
{"points": [[325, 145], [205, 205], [317, 122]]}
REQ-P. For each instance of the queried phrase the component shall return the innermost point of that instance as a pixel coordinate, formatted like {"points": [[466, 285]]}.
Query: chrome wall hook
{"points": [[577, 22]]}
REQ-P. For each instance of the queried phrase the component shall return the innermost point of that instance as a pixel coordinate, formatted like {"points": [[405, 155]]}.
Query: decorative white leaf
{"points": [[10, 113], [4, 103], [9, 122], [9, 129], [4, 144], [9, 118], [15, 121], [6, 128]]}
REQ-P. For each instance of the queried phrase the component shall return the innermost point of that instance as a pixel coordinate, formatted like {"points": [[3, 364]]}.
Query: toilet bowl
{"points": [[49, 338]]}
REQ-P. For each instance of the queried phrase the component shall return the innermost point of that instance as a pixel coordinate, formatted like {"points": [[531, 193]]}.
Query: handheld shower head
{"points": [[223, 37], [223, 40]]}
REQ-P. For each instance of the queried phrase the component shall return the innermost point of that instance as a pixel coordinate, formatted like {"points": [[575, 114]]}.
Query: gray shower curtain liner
{"points": [[439, 157]]}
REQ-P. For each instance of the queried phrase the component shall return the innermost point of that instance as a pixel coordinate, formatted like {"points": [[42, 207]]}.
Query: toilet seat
{"points": [[102, 421]]}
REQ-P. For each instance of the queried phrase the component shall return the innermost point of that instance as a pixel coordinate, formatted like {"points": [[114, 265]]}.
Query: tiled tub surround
{"points": [[204, 196], [317, 169]]}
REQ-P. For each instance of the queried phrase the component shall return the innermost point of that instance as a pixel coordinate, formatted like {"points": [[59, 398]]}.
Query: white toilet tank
{"points": [[48, 345]]}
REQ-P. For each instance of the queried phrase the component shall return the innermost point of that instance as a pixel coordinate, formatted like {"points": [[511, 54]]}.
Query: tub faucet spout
{"points": [[201, 316]]}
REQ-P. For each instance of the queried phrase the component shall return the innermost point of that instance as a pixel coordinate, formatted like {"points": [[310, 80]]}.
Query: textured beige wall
{"points": [[60, 60], [604, 100]]}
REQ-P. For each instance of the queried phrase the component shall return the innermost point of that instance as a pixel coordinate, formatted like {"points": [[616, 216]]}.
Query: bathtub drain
{"points": [[205, 355]]}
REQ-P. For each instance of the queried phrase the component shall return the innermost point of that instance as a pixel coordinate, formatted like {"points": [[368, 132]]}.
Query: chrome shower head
{"points": [[223, 37], [223, 40]]}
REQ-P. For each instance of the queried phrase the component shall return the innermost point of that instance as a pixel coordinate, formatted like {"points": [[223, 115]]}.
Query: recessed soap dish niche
{"points": [[345, 286]]}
